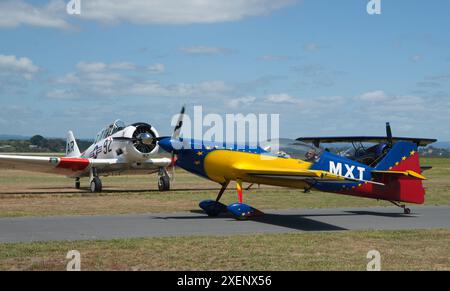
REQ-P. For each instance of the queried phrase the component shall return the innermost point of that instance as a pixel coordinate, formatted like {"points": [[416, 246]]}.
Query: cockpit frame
{"points": [[114, 127]]}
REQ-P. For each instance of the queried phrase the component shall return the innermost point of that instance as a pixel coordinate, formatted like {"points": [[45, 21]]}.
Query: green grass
{"points": [[39, 194], [400, 250], [55, 195]]}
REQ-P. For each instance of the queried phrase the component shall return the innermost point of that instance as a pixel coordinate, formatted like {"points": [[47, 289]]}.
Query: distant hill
{"points": [[13, 137], [441, 145]]}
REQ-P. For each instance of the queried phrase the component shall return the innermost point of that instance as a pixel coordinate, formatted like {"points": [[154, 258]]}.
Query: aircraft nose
{"points": [[166, 144]]}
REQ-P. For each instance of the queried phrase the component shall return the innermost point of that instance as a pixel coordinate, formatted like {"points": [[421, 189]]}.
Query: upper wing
{"points": [[375, 139]]}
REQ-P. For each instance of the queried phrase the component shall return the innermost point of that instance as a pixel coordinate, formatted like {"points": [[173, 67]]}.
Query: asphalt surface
{"points": [[24, 229]]}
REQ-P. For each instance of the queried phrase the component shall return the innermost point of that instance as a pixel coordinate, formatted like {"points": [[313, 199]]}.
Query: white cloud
{"points": [[53, 13], [314, 106], [273, 58], [16, 13], [311, 47], [97, 79], [204, 50], [156, 89], [122, 66], [91, 67], [11, 65], [373, 96], [243, 101], [439, 78], [177, 11], [415, 58], [157, 68], [281, 98]]}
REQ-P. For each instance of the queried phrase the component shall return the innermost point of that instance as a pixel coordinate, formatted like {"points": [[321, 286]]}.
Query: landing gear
{"points": [[243, 211], [406, 210], [239, 210], [96, 183], [251, 185], [163, 180], [77, 183], [213, 207]]}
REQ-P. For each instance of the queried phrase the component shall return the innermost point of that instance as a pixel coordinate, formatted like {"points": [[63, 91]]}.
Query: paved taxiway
{"points": [[192, 223]]}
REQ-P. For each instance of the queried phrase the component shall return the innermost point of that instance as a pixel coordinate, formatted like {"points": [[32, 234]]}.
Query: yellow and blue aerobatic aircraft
{"points": [[389, 170]]}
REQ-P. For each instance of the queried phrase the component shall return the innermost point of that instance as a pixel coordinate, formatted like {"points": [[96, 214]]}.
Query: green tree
{"points": [[38, 140]]}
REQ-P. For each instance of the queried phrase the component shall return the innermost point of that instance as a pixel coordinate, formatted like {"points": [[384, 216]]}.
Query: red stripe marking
{"points": [[239, 191], [74, 164]]}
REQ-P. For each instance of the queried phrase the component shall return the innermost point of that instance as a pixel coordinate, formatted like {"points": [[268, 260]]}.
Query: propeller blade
{"points": [[179, 125], [389, 134]]}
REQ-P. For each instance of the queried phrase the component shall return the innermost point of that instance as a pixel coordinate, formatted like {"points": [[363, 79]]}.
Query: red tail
{"points": [[400, 172]]}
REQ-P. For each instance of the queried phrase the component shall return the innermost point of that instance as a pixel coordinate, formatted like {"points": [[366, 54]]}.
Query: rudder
{"points": [[72, 149], [401, 173]]}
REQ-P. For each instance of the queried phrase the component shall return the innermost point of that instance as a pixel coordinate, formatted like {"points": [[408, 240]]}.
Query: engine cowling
{"points": [[145, 138], [144, 142]]}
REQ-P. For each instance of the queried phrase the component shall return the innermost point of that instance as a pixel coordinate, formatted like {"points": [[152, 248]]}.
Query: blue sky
{"points": [[327, 67]]}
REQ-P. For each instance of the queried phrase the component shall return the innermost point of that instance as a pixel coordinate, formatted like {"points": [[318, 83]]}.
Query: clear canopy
{"points": [[114, 127], [287, 148]]}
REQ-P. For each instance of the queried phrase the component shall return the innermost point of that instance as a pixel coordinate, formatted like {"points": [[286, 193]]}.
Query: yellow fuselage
{"points": [[226, 165]]}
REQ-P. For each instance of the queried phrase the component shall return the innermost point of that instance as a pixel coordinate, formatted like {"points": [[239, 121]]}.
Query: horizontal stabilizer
{"points": [[409, 173]]}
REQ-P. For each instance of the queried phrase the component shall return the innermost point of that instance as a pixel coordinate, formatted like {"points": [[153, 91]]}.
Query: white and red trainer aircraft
{"points": [[117, 149]]}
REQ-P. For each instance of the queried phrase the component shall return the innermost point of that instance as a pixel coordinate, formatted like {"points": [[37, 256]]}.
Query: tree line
{"points": [[38, 143]]}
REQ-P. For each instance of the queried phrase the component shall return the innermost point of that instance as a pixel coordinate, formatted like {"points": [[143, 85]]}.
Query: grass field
{"points": [[33, 194], [400, 250]]}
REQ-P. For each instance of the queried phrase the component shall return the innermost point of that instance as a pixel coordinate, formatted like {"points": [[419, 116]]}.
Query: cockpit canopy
{"points": [[288, 148], [365, 153], [114, 127]]}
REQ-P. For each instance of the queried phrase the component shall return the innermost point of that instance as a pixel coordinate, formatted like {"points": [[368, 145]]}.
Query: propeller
{"points": [[389, 134], [175, 138], [144, 138]]}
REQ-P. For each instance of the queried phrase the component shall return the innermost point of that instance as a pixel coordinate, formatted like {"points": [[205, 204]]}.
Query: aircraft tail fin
{"points": [[401, 173], [72, 149]]}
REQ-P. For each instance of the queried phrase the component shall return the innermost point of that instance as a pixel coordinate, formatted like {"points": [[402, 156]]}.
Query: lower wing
{"points": [[73, 166], [296, 174]]}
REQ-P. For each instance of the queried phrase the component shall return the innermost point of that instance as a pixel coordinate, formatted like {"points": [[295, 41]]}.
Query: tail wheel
{"points": [[164, 183], [96, 185]]}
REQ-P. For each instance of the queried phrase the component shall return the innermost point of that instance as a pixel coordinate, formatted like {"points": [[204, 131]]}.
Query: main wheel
{"points": [[212, 208], [407, 211], [96, 185], [163, 183], [77, 184]]}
